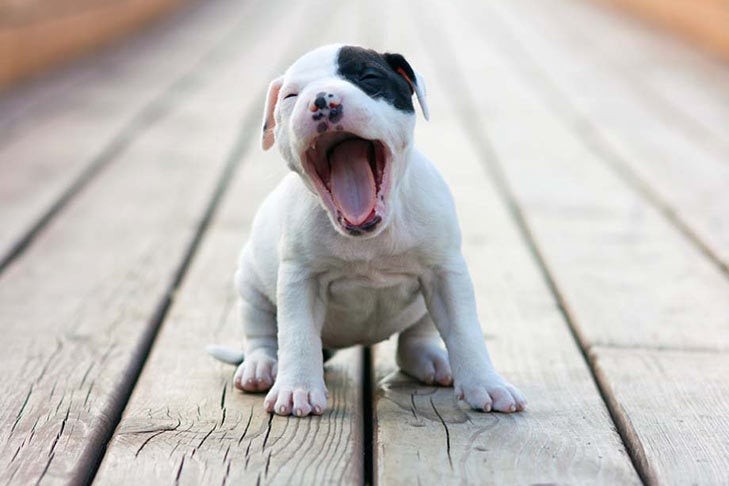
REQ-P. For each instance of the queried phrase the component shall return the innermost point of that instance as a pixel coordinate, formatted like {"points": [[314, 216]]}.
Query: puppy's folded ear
{"points": [[269, 122], [417, 83]]}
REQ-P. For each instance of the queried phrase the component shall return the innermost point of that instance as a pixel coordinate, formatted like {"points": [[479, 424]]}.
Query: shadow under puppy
{"points": [[358, 242]]}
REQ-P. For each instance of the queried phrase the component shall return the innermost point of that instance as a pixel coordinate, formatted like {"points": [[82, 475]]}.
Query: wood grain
{"points": [[185, 423], [632, 131], [671, 79], [627, 270], [80, 306], [678, 410], [423, 435], [57, 135], [626, 276]]}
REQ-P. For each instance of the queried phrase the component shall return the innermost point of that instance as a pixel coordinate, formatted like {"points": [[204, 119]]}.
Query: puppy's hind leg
{"points": [[422, 355], [258, 370]]}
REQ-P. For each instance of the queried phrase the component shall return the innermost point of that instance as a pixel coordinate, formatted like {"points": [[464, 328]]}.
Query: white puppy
{"points": [[360, 241]]}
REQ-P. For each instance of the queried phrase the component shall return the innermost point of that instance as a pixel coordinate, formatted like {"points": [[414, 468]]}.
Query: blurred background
{"points": [[36, 35]]}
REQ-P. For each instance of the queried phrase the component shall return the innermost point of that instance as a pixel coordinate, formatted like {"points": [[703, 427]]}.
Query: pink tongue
{"points": [[353, 184]]}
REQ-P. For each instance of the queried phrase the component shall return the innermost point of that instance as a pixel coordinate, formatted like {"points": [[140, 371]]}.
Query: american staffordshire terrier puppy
{"points": [[359, 242]]}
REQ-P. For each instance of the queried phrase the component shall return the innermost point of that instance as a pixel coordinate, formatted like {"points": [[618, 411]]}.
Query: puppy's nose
{"points": [[323, 101], [320, 102]]}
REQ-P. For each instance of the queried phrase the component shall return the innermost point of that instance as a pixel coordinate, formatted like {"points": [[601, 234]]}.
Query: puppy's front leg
{"points": [[299, 386], [451, 302]]}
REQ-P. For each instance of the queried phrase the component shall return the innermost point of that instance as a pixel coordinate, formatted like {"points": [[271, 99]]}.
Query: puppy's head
{"points": [[343, 118]]}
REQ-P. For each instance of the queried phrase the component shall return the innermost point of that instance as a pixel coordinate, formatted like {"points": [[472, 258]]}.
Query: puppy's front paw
{"points": [[257, 373], [424, 359], [296, 399], [489, 393]]}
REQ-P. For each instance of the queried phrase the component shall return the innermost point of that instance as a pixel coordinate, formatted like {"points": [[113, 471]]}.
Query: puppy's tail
{"points": [[225, 354]]}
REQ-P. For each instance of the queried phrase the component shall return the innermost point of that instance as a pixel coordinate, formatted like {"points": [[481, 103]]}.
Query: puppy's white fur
{"points": [[306, 284]]}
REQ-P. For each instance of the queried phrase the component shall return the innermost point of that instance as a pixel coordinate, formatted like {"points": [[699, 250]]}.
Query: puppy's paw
{"points": [[296, 399], [257, 373], [491, 393], [426, 360]]}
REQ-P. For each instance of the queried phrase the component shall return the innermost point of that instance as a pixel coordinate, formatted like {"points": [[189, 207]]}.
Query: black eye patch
{"points": [[369, 71]]}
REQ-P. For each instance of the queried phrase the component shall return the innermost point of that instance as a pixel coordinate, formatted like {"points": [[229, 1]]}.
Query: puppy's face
{"points": [[343, 119]]}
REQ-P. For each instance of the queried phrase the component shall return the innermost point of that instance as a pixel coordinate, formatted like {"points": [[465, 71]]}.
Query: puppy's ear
{"points": [[417, 83], [269, 122]]}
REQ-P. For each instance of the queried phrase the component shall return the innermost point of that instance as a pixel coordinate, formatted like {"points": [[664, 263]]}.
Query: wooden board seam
{"points": [[160, 106], [465, 103]]}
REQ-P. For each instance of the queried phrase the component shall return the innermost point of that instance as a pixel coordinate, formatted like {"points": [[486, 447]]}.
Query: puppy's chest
{"points": [[392, 278], [371, 276], [367, 303], [372, 290]]}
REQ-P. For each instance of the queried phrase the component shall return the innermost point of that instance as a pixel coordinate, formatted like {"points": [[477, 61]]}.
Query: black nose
{"points": [[320, 102]]}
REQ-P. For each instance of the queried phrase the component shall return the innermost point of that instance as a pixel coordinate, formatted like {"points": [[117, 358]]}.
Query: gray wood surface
{"points": [[423, 435], [627, 276], [80, 306], [210, 433], [185, 421], [636, 292], [88, 118], [675, 409], [667, 149]]}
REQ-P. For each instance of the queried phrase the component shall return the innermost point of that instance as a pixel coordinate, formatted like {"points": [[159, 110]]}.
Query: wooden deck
{"points": [[589, 158]]}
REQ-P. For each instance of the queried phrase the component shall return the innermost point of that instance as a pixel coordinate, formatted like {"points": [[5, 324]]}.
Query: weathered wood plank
{"points": [[642, 141], [79, 308], [618, 242], [677, 404], [422, 435], [89, 121], [185, 422], [674, 81], [627, 278]]}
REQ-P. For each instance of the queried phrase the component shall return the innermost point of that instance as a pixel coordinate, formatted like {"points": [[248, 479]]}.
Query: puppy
{"points": [[358, 242]]}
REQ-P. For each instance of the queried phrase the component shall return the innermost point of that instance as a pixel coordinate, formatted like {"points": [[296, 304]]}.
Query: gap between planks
{"points": [[248, 128], [658, 450], [465, 104], [154, 111], [103, 428], [581, 123], [109, 468]]}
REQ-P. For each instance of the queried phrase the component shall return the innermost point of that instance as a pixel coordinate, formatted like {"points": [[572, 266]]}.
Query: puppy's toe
{"points": [[477, 397], [318, 401], [518, 396], [284, 402], [264, 374], [245, 377]]}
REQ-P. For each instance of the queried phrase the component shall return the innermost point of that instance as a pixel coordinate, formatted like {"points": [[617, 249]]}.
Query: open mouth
{"points": [[349, 174]]}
